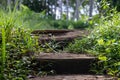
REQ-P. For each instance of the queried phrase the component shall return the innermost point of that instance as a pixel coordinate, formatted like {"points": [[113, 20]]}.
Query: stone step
{"points": [[59, 38], [75, 77], [51, 31], [59, 35], [66, 63]]}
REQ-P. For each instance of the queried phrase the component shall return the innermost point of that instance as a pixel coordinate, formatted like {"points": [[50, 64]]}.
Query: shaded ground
{"points": [[75, 77]]}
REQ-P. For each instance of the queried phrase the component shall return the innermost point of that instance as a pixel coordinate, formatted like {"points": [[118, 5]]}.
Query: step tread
{"points": [[63, 56], [63, 36], [50, 31], [75, 77]]}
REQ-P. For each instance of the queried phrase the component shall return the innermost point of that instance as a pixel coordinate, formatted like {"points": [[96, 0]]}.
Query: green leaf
{"points": [[102, 58], [100, 42]]}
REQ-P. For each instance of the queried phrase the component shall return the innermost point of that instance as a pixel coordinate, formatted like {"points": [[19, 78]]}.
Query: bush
{"points": [[15, 46], [107, 45], [79, 46], [103, 42]]}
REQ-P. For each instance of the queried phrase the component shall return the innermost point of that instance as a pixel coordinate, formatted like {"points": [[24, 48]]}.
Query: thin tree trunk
{"points": [[20, 3], [61, 11], [77, 11], [91, 8], [67, 2], [55, 8], [16, 3], [9, 4]]}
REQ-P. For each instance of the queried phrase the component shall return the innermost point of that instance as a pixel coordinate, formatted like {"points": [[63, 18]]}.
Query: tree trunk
{"points": [[9, 4], [77, 11], [16, 3], [20, 3], [55, 8], [67, 12], [91, 8], [61, 11]]}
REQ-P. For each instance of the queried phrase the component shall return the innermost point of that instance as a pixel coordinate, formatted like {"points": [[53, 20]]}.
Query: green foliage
{"points": [[112, 3], [78, 46], [80, 24], [103, 42], [64, 24], [106, 7], [41, 5], [20, 50], [3, 55], [36, 5], [34, 21], [16, 47], [107, 44]]}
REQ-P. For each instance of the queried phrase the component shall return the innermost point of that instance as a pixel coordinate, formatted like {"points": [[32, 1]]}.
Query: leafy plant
{"points": [[3, 55], [16, 47], [79, 46], [106, 45]]}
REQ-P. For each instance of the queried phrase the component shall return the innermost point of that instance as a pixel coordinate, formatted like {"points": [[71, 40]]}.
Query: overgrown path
{"points": [[65, 66]]}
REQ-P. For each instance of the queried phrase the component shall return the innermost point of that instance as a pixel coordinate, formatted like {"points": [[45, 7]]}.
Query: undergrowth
{"points": [[104, 43], [16, 47]]}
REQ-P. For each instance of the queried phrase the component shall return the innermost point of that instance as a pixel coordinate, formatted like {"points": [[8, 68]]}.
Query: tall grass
{"points": [[3, 54], [6, 25], [15, 42]]}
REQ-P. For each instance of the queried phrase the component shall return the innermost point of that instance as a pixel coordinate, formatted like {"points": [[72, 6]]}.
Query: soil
{"points": [[75, 77]]}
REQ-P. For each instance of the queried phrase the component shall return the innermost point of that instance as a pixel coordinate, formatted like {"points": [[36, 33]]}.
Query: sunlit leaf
{"points": [[102, 58], [100, 42]]}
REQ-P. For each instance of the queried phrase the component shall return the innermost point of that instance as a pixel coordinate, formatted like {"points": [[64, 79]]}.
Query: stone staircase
{"points": [[66, 63], [66, 66]]}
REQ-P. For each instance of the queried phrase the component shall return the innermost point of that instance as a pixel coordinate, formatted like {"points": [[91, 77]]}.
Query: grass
{"points": [[15, 44], [3, 56]]}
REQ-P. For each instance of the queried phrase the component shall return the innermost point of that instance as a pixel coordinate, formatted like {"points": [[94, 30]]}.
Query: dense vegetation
{"points": [[34, 21], [17, 44], [104, 42]]}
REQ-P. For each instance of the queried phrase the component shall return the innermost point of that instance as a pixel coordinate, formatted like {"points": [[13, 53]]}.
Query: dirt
{"points": [[75, 77]]}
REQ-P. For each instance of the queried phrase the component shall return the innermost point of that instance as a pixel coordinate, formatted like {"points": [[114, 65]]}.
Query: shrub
{"points": [[15, 45], [103, 42], [107, 44], [79, 46]]}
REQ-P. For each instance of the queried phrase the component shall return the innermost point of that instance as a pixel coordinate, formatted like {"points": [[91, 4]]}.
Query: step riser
{"points": [[67, 66]]}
